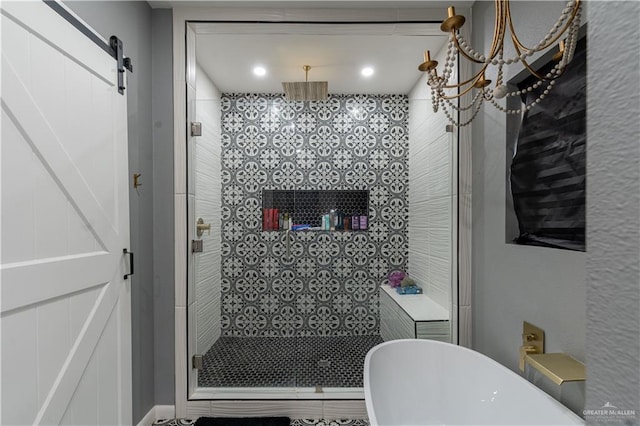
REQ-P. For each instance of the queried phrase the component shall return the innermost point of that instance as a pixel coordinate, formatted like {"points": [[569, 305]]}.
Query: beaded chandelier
{"points": [[443, 92]]}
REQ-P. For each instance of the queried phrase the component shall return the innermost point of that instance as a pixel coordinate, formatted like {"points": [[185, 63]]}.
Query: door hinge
{"points": [[196, 128], [197, 362], [196, 246]]}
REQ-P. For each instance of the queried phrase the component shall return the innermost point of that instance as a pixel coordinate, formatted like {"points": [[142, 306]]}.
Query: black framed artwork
{"points": [[546, 174]]}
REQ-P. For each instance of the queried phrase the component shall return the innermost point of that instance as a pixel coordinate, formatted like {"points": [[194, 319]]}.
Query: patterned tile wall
{"points": [[328, 286]]}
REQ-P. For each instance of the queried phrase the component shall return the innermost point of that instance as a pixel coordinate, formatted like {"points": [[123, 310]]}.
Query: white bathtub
{"points": [[424, 382]]}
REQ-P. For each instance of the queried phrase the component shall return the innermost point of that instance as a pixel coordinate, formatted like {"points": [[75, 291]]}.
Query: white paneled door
{"points": [[65, 307]]}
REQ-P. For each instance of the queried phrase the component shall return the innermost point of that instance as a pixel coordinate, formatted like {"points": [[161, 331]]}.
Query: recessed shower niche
{"points": [[337, 210]]}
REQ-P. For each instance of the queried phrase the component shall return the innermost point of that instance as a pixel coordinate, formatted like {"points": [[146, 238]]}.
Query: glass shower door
{"points": [[204, 218], [296, 311]]}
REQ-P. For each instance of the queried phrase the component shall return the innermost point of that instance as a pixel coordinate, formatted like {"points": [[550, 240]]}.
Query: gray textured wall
{"points": [[589, 304], [163, 201], [512, 283], [613, 208]]}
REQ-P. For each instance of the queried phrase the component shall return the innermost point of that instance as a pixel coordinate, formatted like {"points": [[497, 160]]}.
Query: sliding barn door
{"points": [[66, 349]]}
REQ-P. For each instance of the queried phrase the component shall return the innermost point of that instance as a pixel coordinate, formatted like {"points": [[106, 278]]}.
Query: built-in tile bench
{"points": [[412, 316]]}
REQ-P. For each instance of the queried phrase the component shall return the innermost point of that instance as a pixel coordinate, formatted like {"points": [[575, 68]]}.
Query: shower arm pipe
{"points": [[306, 69]]}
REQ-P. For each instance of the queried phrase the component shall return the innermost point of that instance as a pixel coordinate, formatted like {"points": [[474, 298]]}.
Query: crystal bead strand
{"points": [[464, 45], [473, 116], [457, 108], [449, 61], [572, 38], [564, 17], [434, 85], [434, 100], [554, 73], [526, 107]]}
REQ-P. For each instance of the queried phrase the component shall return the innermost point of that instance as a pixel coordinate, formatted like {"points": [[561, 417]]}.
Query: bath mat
{"points": [[243, 421]]}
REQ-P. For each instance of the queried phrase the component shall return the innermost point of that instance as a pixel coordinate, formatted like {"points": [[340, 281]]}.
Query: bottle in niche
{"points": [[364, 222], [340, 221], [347, 223], [355, 222], [332, 220]]}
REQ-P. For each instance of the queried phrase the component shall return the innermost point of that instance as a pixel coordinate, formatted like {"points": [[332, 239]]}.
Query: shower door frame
{"points": [[188, 401]]}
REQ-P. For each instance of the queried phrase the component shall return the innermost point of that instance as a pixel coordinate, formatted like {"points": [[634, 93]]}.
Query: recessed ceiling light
{"points": [[367, 71], [259, 71]]}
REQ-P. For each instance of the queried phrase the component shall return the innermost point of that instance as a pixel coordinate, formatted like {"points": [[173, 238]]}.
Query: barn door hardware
{"points": [[123, 62], [114, 48]]}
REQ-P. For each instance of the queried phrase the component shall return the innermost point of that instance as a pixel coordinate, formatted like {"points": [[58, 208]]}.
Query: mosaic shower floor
{"points": [[286, 361]]}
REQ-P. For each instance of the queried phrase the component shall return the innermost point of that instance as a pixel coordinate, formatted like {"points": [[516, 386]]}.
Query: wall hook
{"points": [[136, 180]]}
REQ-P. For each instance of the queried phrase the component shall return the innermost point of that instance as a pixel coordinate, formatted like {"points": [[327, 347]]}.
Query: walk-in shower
{"points": [[276, 312]]}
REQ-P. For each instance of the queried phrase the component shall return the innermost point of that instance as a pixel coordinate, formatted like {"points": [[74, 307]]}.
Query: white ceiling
{"points": [[336, 52]]}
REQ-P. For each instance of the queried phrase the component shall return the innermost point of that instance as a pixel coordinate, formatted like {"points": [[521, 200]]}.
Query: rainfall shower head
{"points": [[306, 90]]}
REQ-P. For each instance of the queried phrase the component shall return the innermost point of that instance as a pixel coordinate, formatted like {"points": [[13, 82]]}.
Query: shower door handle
{"points": [[201, 227]]}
